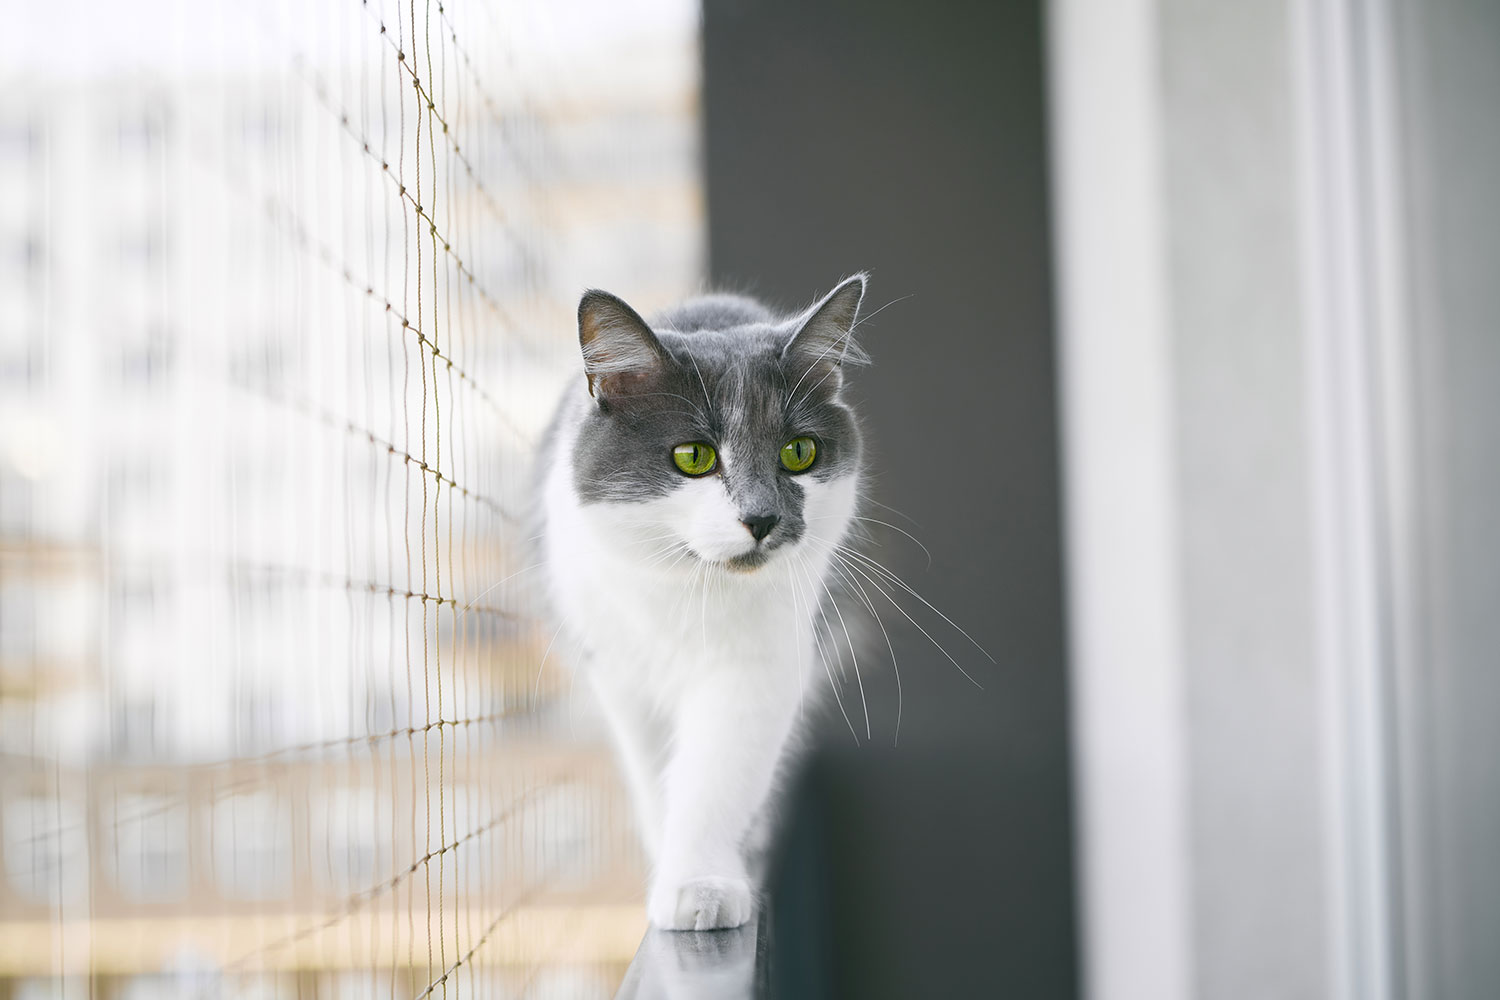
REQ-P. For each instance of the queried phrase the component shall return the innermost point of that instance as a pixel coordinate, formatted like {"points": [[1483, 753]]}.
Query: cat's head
{"points": [[719, 434]]}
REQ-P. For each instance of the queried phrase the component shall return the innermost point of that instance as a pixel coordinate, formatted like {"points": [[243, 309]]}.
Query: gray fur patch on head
{"points": [[726, 370]]}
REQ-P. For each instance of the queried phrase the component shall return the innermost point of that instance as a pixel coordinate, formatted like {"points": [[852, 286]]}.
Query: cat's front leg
{"points": [[638, 748], [730, 730]]}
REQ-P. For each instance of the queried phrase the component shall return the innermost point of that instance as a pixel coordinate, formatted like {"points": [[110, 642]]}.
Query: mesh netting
{"points": [[288, 294]]}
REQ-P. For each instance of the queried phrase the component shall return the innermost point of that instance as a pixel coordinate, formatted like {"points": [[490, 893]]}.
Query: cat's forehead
{"points": [[725, 349], [740, 369]]}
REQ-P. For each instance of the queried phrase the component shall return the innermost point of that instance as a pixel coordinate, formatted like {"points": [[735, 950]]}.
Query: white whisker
{"points": [[879, 567], [498, 583], [909, 618], [895, 667], [818, 646], [536, 687], [908, 534], [853, 656], [871, 315]]}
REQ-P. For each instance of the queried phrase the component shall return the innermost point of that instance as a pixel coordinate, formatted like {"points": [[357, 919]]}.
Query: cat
{"points": [[695, 484]]}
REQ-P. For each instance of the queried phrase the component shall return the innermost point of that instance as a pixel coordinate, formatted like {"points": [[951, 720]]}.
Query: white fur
{"points": [[700, 670]]}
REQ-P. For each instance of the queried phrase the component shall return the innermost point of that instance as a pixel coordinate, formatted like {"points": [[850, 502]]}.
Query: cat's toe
{"points": [[701, 904]]}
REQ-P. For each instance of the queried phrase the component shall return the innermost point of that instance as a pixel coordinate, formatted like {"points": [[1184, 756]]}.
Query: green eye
{"points": [[695, 458], [798, 453]]}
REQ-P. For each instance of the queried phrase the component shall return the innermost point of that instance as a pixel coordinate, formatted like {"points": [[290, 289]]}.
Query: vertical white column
{"points": [[1354, 285], [1129, 716]]}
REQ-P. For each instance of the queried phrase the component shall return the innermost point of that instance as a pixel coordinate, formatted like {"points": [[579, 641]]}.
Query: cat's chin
{"points": [[747, 562]]}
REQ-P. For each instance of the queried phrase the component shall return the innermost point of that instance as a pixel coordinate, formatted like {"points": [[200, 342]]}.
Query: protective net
{"points": [[287, 295]]}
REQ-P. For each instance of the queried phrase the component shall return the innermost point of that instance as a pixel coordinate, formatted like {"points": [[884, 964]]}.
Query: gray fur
{"points": [[724, 369]]}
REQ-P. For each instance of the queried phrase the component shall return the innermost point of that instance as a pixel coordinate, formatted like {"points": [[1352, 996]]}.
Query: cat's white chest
{"points": [[671, 630], [667, 625]]}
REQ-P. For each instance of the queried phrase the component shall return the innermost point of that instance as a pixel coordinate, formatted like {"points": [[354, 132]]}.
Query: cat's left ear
{"points": [[824, 340]]}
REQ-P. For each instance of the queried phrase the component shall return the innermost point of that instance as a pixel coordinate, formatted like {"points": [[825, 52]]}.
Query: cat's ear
{"points": [[824, 340], [620, 352]]}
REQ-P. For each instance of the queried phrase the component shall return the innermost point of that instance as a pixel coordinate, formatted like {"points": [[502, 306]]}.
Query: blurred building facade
{"points": [[286, 299]]}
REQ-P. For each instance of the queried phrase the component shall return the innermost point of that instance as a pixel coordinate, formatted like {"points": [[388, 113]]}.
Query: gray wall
{"points": [[911, 141], [1449, 690]]}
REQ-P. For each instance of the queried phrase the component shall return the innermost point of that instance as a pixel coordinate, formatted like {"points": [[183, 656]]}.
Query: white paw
{"points": [[699, 904]]}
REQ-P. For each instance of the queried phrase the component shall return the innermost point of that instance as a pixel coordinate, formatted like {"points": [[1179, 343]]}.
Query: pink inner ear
{"points": [[619, 384]]}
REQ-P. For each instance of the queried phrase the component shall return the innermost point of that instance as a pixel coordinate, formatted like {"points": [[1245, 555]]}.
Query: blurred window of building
{"points": [[252, 846], [149, 859], [46, 849]]}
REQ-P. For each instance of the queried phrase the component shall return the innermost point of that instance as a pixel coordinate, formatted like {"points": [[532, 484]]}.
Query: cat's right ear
{"points": [[620, 353]]}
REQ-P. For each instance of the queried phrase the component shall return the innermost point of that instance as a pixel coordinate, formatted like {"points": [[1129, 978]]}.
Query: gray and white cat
{"points": [[696, 484]]}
